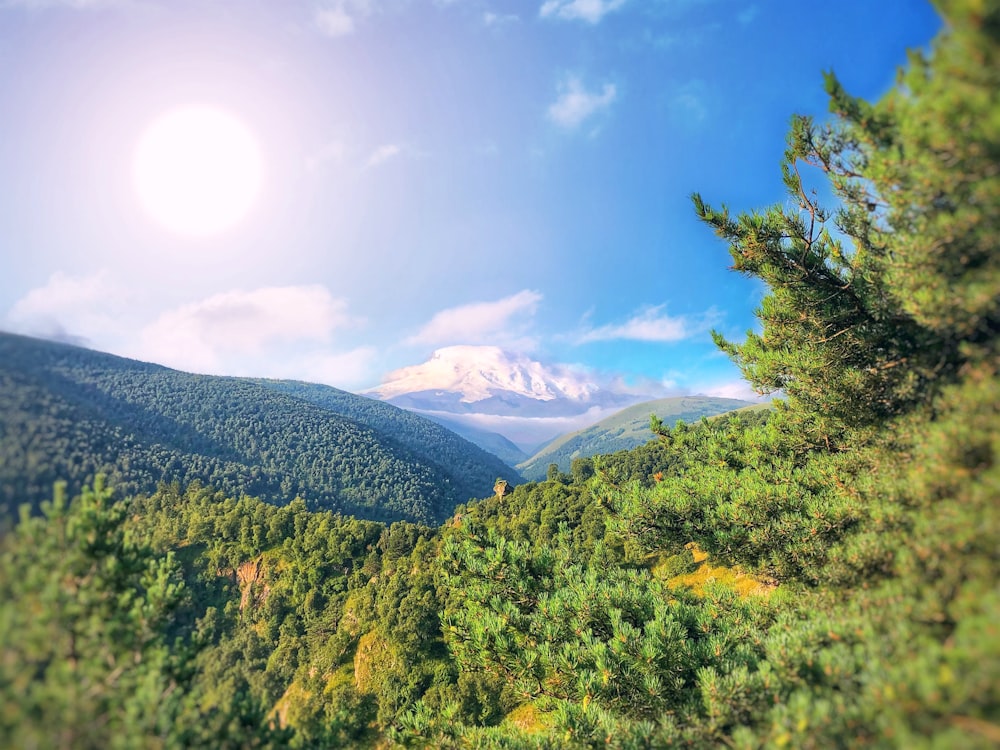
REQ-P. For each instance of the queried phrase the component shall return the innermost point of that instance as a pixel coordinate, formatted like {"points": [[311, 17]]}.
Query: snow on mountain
{"points": [[488, 388], [477, 373]]}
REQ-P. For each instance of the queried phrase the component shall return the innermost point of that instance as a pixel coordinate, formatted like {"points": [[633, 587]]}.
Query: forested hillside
{"points": [[819, 575], [68, 413], [625, 429]]}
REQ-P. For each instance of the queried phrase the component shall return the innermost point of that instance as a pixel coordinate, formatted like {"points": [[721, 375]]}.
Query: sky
{"points": [[369, 181]]}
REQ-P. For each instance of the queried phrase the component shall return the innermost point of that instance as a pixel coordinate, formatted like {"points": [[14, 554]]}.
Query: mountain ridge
{"points": [[78, 412], [622, 430], [478, 373], [487, 389]]}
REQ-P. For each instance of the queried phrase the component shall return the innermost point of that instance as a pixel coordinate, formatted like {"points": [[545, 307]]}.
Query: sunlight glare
{"points": [[197, 170]]}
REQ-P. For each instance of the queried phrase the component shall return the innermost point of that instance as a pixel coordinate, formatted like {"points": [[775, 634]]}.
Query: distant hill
{"points": [[625, 429], [437, 439], [68, 412], [491, 442]]}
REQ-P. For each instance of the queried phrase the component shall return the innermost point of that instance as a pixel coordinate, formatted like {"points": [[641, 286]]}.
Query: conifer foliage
{"points": [[819, 575], [86, 637]]}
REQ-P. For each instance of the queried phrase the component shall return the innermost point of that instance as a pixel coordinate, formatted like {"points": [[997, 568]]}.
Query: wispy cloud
{"points": [[689, 103], [383, 154], [652, 324], [740, 389], [748, 14], [591, 11], [212, 334], [350, 369], [501, 322], [499, 19], [73, 309], [336, 18], [575, 104], [280, 331]]}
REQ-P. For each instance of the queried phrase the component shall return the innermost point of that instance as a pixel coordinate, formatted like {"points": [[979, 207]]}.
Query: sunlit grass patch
{"points": [[693, 570], [528, 718]]}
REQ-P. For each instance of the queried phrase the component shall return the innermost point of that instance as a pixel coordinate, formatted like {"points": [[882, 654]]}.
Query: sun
{"points": [[197, 170]]}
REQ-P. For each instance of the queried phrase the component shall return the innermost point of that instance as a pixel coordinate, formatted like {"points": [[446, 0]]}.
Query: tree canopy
{"points": [[823, 574]]}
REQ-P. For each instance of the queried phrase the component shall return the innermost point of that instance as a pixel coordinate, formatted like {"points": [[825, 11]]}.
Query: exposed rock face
{"points": [[254, 590]]}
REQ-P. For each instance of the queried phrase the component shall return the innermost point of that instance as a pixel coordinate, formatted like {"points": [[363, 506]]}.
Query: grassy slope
{"points": [[623, 430]]}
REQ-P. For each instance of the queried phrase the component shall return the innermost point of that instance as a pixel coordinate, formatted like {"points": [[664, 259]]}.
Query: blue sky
{"points": [[432, 173]]}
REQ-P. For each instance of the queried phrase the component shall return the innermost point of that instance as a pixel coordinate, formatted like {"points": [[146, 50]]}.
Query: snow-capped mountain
{"points": [[488, 388], [477, 373]]}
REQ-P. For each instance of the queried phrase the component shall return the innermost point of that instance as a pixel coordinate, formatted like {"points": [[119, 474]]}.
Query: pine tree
{"points": [[873, 307], [86, 658]]}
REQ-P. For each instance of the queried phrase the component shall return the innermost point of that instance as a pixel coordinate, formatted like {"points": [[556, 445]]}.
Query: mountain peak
{"points": [[478, 373], [487, 388]]}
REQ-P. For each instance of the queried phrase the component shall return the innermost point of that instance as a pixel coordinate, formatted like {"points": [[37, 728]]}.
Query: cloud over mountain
{"points": [[491, 388], [653, 324], [503, 319]]}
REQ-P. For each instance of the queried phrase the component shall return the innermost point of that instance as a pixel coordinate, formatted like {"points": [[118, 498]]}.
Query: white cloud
{"points": [[383, 154], [220, 333], [529, 433], [73, 309], [575, 104], [652, 324], [282, 332], [336, 18], [689, 103], [591, 11], [350, 369], [481, 322], [645, 387], [499, 19], [740, 389]]}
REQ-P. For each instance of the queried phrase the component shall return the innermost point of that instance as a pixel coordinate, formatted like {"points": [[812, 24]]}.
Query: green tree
{"points": [[871, 491], [874, 306], [86, 658]]}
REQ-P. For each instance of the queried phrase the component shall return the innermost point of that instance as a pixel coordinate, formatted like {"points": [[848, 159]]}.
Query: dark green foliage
{"points": [[84, 653], [872, 306], [470, 468], [95, 649], [69, 413], [537, 512], [491, 442], [876, 484], [550, 627], [748, 494], [274, 582]]}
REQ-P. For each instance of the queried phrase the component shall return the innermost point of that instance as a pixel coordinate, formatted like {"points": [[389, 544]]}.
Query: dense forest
{"points": [[70, 413], [822, 574]]}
